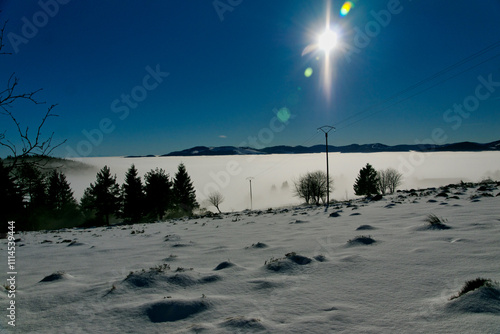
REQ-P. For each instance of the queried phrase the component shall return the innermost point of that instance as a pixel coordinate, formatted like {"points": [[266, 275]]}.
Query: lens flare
{"points": [[346, 8], [308, 72], [283, 114]]}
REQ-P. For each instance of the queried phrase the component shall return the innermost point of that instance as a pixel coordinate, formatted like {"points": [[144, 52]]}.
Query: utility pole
{"points": [[251, 204], [326, 129]]}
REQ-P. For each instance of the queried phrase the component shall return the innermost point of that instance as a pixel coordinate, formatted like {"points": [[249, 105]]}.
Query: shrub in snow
{"points": [[436, 223], [474, 285]]}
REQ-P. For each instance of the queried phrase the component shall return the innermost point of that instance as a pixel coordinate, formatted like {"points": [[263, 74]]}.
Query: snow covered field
{"points": [[292, 269], [237, 274], [229, 174]]}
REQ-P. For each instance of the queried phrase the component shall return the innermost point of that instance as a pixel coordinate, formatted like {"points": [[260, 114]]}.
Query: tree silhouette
{"points": [[215, 198], [312, 187], [366, 182], [59, 194], [87, 206], [158, 193], [105, 195], [184, 193], [32, 183], [388, 180], [133, 196], [11, 199]]}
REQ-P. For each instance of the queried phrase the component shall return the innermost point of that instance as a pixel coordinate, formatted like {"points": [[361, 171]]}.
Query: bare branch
{"points": [[8, 96], [1, 39], [32, 146]]}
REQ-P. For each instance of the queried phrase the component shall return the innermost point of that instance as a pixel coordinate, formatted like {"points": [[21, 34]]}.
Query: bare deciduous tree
{"points": [[312, 187], [28, 143], [389, 180], [215, 198]]}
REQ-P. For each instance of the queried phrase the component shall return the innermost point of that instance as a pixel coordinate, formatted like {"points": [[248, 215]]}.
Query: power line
{"points": [[418, 93], [428, 79], [408, 89]]}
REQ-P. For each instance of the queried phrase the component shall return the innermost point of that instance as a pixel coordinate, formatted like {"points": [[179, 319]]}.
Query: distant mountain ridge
{"points": [[353, 148]]}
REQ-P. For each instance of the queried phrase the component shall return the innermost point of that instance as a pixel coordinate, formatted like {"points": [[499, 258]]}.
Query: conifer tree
{"points": [[366, 182], [33, 185], [87, 206], [133, 196], [59, 194], [184, 193], [105, 195], [158, 190], [10, 199]]}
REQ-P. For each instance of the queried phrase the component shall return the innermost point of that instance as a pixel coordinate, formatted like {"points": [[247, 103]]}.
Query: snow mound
{"points": [[482, 300], [173, 310], [181, 245], [147, 279], [59, 275], [298, 221], [365, 228], [320, 258], [75, 243], [238, 323], [209, 279], [142, 279], [259, 245], [288, 263], [224, 265], [298, 259], [361, 240], [261, 284], [182, 279]]}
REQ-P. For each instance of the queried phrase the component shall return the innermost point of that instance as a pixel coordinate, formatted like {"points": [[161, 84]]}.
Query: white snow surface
{"points": [[401, 283]]}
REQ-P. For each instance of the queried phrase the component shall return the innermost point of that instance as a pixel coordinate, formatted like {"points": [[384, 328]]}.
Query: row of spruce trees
{"points": [[38, 200]]}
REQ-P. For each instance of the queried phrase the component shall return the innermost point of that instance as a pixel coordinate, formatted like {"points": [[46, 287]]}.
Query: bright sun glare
{"points": [[327, 41]]}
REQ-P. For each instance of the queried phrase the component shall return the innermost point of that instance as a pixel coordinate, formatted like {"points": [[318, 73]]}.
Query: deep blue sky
{"points": [[228, 78]]}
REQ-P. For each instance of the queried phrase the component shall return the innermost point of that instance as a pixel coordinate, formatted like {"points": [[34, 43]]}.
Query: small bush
{"points": [[474, 285], [436, 223]]}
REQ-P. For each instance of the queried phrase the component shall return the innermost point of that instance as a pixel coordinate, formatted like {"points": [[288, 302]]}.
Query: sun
{"points": [[327, 41]]}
